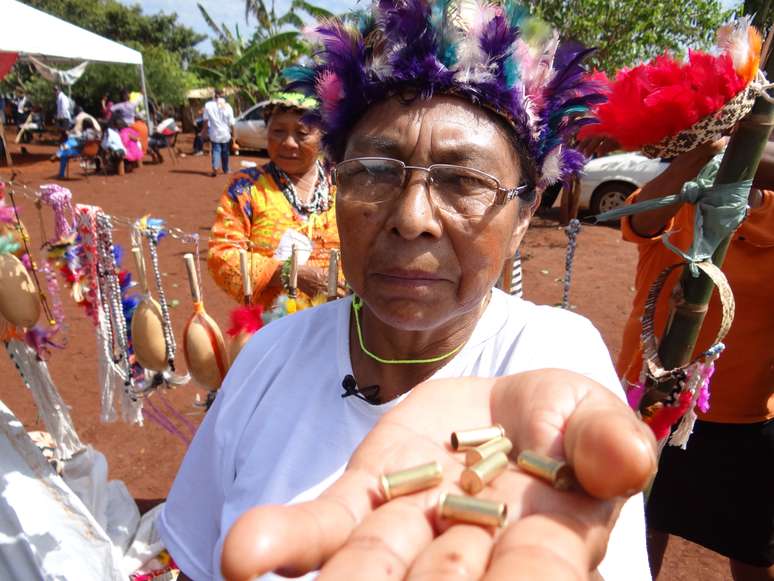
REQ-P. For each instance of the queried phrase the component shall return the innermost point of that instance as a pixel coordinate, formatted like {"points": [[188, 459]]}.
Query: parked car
{"points": [[250, 128], [606, 182]]}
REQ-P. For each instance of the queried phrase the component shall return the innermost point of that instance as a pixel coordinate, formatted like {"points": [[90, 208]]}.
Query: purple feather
{"points": [[402, 45]]}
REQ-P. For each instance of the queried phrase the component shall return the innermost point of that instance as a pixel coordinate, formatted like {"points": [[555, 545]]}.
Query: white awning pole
{"points": [[148, 115]]}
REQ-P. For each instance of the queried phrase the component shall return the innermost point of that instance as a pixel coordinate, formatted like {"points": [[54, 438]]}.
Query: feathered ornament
{"points": [[245, 322], [493, 54], [662, 106]]}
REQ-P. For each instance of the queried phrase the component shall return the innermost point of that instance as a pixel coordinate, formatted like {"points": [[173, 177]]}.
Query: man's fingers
{"points": [[385, 544], [298, 538], [462, 552], [547, 546], [612, 451]]}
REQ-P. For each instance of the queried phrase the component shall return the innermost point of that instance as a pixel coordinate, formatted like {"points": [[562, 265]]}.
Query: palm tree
{"points": [[255, 66]]}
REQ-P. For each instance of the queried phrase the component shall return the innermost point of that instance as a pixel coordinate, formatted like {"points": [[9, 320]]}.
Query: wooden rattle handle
{"points": [[193, 279], [333, 275], [247, 283], [140, 263]]}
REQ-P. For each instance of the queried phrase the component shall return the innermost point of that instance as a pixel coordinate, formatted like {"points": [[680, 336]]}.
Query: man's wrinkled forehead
{"points": [[450, 130]]}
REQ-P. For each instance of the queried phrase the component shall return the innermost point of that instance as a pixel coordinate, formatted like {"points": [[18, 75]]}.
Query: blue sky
{"points": [[232, 12]]}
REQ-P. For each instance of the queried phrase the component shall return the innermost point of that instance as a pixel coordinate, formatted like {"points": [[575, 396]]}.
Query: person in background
{"points": [[106, 106], [131, 141], [290, 195], [218, 123], [73, 146], [719, 491], [63, 116], [23, 108], [125, 109], [113, 146], [78, 123], [198, 144]]}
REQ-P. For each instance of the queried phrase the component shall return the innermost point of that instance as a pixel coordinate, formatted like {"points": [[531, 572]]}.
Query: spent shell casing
{"points": [[475, 478], [411, 480], [472, 438], [475, 455], [472, 510], [557, 473]]}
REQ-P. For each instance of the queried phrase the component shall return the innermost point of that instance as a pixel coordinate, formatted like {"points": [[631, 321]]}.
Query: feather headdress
{"points": [[653, 102], [491, 53]]}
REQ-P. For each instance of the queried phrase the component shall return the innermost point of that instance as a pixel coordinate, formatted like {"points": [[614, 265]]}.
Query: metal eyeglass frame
{"points": [[503, 195]]}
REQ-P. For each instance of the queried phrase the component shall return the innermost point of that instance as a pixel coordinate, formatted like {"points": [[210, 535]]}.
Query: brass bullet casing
{"points": [[411, 480], [557, 473], [471, 438], [475, 455], [476, 477], [472, 510]]}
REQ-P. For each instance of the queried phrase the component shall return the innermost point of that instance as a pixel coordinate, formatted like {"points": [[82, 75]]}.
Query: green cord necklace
{"points": [[357, 305]]}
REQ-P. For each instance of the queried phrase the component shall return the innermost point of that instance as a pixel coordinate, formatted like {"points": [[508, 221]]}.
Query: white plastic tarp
{"points": [[29, 31], [77, 526]]}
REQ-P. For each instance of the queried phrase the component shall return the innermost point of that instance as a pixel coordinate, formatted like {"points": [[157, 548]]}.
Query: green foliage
{"points": [[629, 31], [254, 65]]}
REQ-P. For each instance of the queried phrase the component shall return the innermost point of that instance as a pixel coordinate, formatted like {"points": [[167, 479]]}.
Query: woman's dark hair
{"points": [[87, 124]]}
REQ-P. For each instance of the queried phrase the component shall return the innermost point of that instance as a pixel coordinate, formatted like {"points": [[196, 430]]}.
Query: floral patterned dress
{"points": [[254, 208]]}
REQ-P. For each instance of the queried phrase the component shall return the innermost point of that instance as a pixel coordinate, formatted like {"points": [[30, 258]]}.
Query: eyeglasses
{"points": [[453, 188]]}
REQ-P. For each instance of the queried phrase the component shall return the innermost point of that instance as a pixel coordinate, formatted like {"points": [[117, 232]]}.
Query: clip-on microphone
{"points": [[368, 394]]}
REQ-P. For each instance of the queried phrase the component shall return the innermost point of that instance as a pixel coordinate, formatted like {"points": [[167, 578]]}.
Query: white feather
{"points": [[551, 172], [733, 38]]}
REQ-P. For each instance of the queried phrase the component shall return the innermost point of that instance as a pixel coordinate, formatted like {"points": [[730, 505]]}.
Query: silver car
{"points": [[250, 128], [606, 182]]}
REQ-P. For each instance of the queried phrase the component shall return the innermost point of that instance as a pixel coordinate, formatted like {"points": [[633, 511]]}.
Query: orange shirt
{"points": [[742, 389], [254, 208]]}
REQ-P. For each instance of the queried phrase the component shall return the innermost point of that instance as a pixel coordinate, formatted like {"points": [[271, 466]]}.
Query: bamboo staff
{"points": [[740, 162]]}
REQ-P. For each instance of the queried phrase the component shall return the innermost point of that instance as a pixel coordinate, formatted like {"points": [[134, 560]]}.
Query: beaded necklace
{"points": [[320, 201]]}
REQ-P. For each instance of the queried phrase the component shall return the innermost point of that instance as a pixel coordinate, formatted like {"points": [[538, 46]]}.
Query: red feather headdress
{"points": [[652, 103]]}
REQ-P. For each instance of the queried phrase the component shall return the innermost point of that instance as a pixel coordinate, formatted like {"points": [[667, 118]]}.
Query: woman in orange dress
{"points": [[264, 210]]}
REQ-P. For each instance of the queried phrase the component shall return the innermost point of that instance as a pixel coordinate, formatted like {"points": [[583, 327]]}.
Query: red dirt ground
{"points": [[147, 458]]}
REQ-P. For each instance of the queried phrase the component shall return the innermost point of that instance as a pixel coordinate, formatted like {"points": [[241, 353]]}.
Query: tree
{"points": [[626, 32], [254, 65], [762, 10]]}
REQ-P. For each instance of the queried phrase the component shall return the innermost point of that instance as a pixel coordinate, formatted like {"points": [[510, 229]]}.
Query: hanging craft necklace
{"points": [[32, 266], [357, 305], [320, 196]]}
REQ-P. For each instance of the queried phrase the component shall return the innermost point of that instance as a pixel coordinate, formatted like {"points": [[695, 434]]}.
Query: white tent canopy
{"points": [[29, 31], [32, 32]]}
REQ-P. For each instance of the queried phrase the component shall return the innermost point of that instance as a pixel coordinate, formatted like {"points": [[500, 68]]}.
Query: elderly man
{"points": [[440, 129]]}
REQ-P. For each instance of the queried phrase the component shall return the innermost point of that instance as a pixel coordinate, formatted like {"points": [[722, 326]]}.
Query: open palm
{"points": [[351, 532]]}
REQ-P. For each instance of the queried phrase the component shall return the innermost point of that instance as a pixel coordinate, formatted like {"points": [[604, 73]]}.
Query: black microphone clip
{"points": [[368, 394]]}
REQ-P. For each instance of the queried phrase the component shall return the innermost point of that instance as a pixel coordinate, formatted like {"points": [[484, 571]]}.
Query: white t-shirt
{"points": [[220, 119], [62, 106], [280, 432]]}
